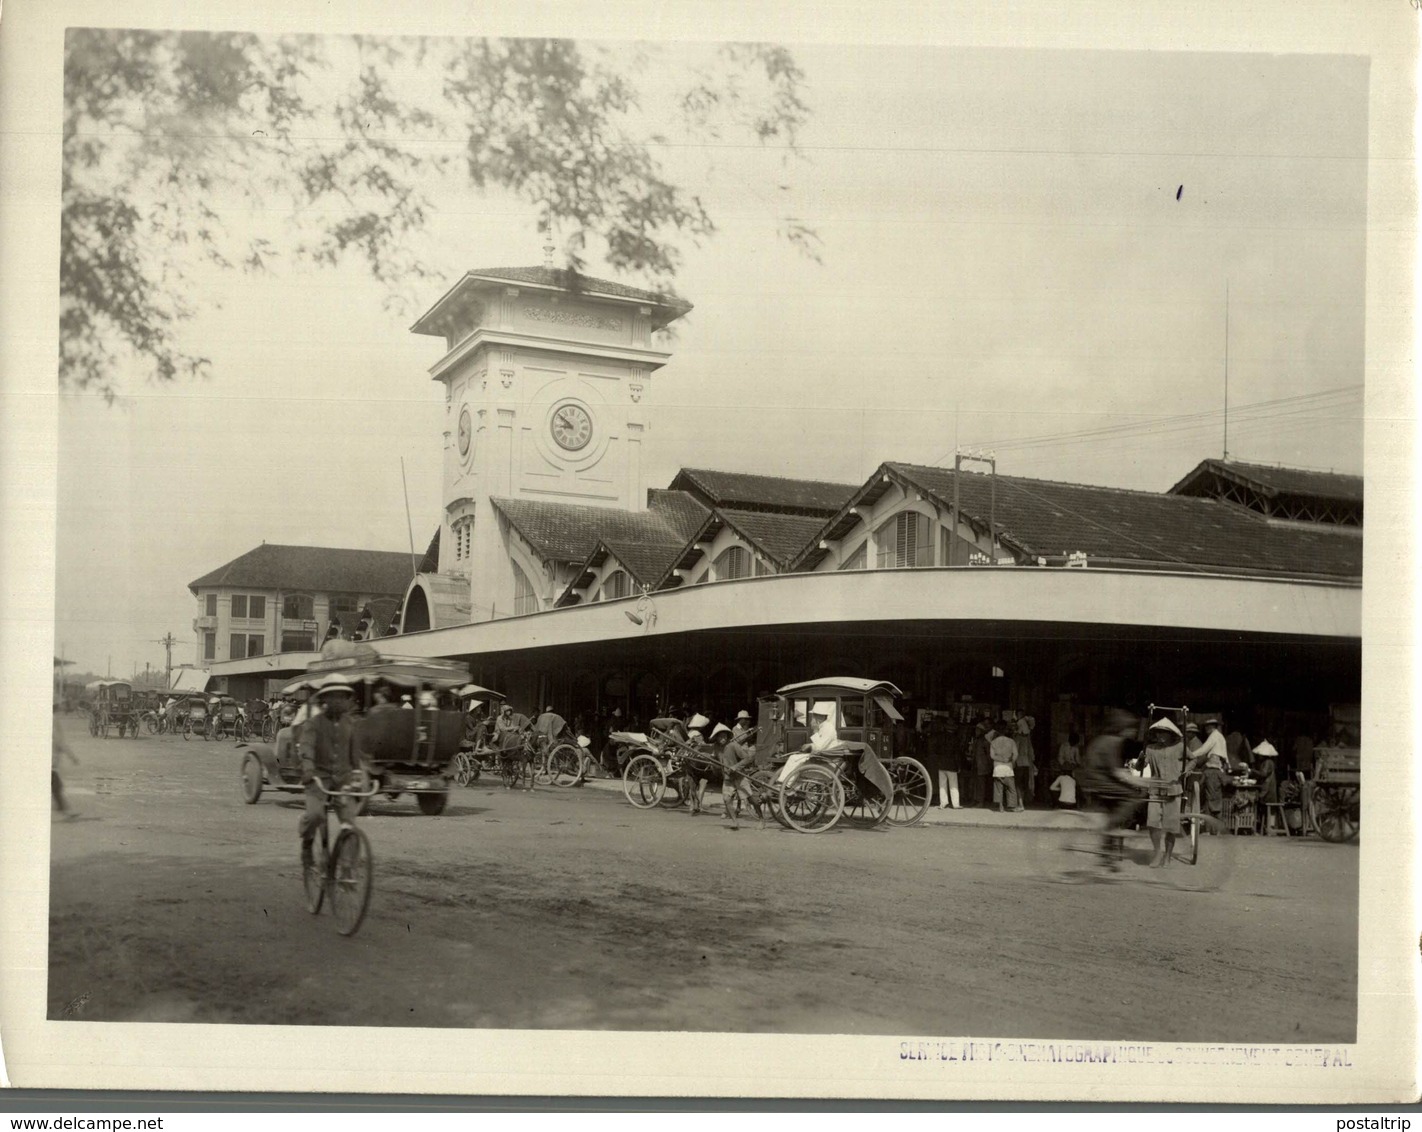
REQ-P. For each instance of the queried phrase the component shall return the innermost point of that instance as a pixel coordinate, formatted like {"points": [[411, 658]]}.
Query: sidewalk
{"points": [[972, 816]]}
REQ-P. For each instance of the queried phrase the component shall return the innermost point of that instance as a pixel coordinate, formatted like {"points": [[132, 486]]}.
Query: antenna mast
{"points": [[1226, 374], [409, 526]]}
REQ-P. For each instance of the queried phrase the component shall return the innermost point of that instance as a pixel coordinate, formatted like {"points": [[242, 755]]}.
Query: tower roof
{"points": [[666, 307]]}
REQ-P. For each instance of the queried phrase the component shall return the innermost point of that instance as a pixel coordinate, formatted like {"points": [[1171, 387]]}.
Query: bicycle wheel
{"points": [[1072, 853], [352, 874], [812, 799], [566, 765], [541, 769], [187, 730], [151, 722], [1202, 867], [313, 872], [644, 781], [269, 730]]}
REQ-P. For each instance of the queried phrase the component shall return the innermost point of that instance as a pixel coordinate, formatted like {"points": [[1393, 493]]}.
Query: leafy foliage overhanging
{"points": [[179, 147]]}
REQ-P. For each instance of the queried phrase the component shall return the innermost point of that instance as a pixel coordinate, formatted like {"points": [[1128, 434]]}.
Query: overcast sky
{"points": [[1015, 244]]}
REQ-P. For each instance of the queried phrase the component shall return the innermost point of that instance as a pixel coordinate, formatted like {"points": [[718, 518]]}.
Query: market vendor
{"points": [[1264, 756]]}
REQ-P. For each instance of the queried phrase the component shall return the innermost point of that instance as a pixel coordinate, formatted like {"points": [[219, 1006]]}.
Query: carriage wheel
{"points": [[566, 765], [1336, 812], [644, 781], [94, 725], [866, 807], [811, 799], [913, 791]]}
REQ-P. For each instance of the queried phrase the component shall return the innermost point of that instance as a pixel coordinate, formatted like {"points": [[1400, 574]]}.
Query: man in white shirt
{"points": [[823, 735], [1213, 755], [1064, 787], [1003, 750]]}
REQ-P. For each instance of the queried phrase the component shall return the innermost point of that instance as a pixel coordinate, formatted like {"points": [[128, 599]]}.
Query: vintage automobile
{"points": [[404, 750], [112, 705]]}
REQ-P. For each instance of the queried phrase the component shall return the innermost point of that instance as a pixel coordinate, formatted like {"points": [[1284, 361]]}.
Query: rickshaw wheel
{"points": [[432, 804], [864, 811], [1336, 812], [913, 791], [812, 799], [566, 764], [251, 779], [644, 782], [1187, 847], [94, 726], [152, 724]]}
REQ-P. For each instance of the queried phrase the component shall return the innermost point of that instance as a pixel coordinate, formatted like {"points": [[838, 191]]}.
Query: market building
{"points": [[562, 578]]}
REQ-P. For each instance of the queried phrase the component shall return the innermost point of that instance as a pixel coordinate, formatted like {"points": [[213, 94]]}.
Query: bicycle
{"points": [[345, 869], [1085, 852]]}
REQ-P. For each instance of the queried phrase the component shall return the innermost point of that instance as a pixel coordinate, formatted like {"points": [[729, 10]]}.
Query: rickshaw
{"points": [[1333, 795], [859, 778], [226, 720], [403, 750], [476, 756], [194, 717], [874, 784], [111, 704]]}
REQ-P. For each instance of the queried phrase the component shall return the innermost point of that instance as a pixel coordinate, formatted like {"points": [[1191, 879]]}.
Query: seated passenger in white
{"points": [[823, 736]]}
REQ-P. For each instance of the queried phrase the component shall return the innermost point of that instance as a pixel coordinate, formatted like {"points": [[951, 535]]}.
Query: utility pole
{"points": [[1226, 374], [168, 641]]}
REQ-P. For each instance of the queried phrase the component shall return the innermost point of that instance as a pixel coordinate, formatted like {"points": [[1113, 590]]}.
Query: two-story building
{"points": [[287, 600]]}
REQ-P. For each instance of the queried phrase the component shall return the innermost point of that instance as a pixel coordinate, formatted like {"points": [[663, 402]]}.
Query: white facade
{"points": [[546, 398]]}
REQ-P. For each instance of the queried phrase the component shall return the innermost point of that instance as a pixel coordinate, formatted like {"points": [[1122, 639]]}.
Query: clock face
{"points": [[466, 432], [572, 427]]}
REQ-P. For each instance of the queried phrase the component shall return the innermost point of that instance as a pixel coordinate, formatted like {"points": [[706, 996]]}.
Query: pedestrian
{"points": [[941, 751], [1064, 787], [982, 763], [1025, 762], [60, 750], [1003, 752], [1165, 757], [961, 748], [742, 727], [1212, 756]]}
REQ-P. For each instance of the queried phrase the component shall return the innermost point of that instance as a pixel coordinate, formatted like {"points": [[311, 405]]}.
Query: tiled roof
{"points": [[429, 564], [780, 536], [1044, 517], [273, 566], [764, 493], [571, 281], [568, 532], [1273, 481]]}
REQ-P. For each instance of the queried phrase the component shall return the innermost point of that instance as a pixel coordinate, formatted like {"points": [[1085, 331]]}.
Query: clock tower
{"points": [[547, 378]]}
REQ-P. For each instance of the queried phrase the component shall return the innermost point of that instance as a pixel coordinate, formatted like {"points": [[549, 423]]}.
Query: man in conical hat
{"points": [[1165, 755]]}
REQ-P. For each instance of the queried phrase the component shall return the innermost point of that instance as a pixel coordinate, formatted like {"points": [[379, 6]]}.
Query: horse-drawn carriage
{"points": [[857, 777], [1334, 793], [403, 750], [112, 705]]}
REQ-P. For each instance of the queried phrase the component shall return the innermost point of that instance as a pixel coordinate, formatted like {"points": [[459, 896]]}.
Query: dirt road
{"points": [[173, 901]]}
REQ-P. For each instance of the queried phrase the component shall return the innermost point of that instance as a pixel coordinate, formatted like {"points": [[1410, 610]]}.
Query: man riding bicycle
{"points": [[328, 757], [1111, 788]]}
